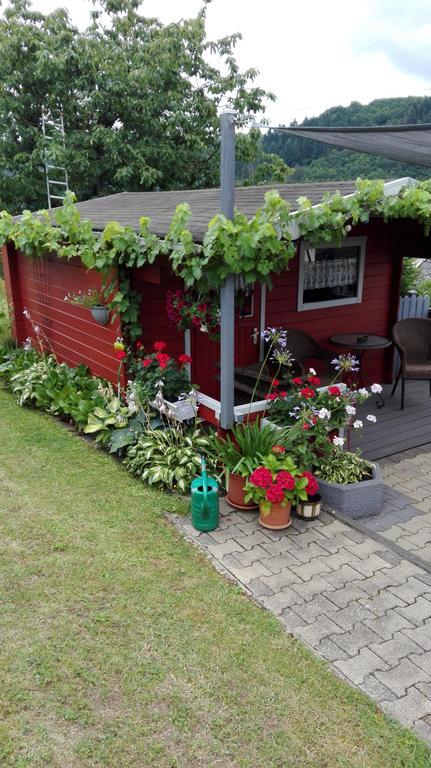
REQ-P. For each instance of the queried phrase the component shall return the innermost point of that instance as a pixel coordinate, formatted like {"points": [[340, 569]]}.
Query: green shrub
{"points": [[247, 447]]}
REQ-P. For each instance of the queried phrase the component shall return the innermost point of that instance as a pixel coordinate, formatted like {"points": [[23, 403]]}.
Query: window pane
{"points": [[331, 273]]}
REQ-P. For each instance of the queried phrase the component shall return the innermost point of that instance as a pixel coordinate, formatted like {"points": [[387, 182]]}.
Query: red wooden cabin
{"points": [[324, 292]]}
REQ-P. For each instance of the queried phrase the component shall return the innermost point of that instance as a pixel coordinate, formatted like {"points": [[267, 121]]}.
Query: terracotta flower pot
{"points": [[278, 517], [310, 509], [236, 493]]}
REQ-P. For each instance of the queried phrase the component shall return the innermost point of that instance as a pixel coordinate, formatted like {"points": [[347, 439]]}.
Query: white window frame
{"points": [[348, 241]]}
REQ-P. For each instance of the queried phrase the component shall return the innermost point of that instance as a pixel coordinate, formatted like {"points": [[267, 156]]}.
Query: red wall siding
{"points": [[386, 244], [153, 317], [40, 286]]}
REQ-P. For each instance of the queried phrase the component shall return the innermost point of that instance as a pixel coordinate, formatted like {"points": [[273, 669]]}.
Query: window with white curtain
{"points": [[331, 275]]}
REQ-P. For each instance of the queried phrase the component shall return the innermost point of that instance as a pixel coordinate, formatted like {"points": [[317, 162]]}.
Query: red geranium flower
{"points": [[147, 362], [139, 345], [285, 480], [283, 394], [159, 346], [312, 486], [275, 494], [185, 359], [314, 380], [120, 354], [305, 425], [275, 383], [307, 392], [162, 359], [261, 477], [334, 391], [277, 449], [297, 381]]}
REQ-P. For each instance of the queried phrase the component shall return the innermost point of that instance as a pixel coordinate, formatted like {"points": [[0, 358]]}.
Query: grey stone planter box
{"points": [[354, 500]]}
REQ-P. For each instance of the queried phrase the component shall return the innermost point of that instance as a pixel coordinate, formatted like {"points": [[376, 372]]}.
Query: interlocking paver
{"points": [[248, 556], [423, 660], [411, 590], [418, 611], [279, 563], [226, 548], [278, 602], [342, 575], [314, 633], [357, 638], [342, 597], [279, 581], [409, 708], [346, 618], [400, 678], [383, 602], [330, 651], [393, 650], [248, 573], [318, 606], [291, 620], [420, 635], [386, 626], [374, 688], [309, 589], [306, 571], [358, 667]]}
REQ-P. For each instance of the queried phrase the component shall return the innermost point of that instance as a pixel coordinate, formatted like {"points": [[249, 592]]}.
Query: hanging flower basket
{"points": [[100, 314]]}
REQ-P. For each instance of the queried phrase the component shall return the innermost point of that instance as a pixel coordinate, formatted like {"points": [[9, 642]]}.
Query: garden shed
{"points": [[328, 289]]}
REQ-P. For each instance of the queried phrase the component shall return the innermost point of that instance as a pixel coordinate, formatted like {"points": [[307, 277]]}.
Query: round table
{"points": [[361, 343]]}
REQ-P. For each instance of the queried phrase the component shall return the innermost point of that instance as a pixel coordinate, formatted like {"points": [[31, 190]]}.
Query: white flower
{"points": [[350, 410], [203, 328], [37, 329], [312, 372], [358, 424], [27, 344], [338, 441], [376, 388], [324, 413], [371, 418], [26, 313], [363, 392]]}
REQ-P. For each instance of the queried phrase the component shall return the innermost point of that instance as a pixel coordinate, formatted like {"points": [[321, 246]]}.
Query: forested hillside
{"points": [[314, 161]]}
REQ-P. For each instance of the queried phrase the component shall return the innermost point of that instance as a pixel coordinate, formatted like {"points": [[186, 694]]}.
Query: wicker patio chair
{"points": [[412, 338], [303, 347]]}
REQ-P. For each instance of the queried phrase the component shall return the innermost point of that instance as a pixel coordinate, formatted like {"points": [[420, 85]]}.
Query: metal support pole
{"points": [[227, 292]]}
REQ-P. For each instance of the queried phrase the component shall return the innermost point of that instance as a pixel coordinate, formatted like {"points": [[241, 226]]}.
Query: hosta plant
{"points": [[102, 421], [168, 458], [344, 467]]}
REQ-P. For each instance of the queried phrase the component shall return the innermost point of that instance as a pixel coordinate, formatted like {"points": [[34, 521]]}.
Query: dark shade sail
{"points": [[405, 143]]}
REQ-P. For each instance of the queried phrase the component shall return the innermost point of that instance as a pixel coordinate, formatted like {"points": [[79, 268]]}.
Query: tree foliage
{"points": [[140, 100], [314, 161]]}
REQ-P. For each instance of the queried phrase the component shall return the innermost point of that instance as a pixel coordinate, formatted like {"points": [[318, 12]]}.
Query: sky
{"points": [[312, 55]]}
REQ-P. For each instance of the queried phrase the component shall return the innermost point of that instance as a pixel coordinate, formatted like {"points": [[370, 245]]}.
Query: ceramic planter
{"points": [[236, 493], [100, 315], [354, 500], [310, 509], [278, 518]]}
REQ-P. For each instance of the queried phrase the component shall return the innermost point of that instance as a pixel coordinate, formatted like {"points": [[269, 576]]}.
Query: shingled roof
{"points": [[128, 207]]}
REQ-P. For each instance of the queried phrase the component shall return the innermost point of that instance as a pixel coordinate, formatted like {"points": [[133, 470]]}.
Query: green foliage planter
{"points": [[355, 500]]}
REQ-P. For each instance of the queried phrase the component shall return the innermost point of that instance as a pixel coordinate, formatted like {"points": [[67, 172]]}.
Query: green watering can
{"points": [[204, 502]]}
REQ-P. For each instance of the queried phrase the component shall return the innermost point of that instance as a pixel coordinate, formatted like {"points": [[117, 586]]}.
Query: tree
{"points": [[140, 100]]}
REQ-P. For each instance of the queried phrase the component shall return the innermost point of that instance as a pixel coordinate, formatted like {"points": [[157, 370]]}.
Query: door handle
{"points": [[255, 335]]}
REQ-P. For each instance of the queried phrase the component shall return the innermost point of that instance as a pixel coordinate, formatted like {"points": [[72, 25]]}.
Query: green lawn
{"points": [[122, 647]]}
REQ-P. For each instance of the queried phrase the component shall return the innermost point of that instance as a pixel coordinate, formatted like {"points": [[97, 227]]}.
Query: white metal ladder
{"points": [[53, 129]]}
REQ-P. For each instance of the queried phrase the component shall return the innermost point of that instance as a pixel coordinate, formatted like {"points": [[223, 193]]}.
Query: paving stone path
{"points": [[361, 603]]}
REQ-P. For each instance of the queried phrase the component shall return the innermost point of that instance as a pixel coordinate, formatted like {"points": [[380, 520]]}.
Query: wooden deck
{"points": [[395, 430]]}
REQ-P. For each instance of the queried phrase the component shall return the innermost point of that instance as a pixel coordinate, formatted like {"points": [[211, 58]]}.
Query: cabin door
{"points": [[206, 353]]}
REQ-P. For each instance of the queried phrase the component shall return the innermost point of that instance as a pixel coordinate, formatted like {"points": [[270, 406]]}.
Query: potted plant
{"points": [[92, 300], [163, 382], [274, 485], [241, 452], [350, 484], [309, 508]]}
